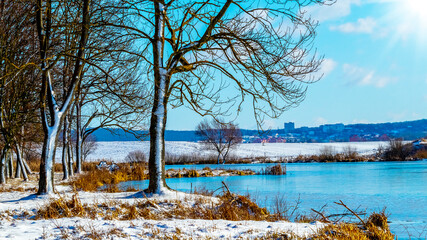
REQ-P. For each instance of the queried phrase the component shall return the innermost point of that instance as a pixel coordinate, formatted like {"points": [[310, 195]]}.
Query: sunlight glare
{"points": [[417, 10]]}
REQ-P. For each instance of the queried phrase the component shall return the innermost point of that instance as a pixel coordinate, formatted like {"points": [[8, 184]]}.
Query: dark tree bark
{"points": [[65, 157]]}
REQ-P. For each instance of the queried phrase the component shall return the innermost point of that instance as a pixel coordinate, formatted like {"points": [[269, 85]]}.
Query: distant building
{"points": [[339, 127], [384, 137], [289, 127], [356, 138], [304, 129]]}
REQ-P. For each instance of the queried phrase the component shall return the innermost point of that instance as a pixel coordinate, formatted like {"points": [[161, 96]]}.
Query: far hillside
{"points": [[409, 130]]}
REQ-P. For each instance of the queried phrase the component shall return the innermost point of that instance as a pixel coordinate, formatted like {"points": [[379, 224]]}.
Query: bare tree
{"points": [[135, 157], [113, 99], [52, 23], [193, 50], [397, 150], [18, 91], [221, 137], [89, 146]]}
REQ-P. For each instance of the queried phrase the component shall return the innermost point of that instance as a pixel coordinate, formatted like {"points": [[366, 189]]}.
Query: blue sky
{"points": [[375, 67]]}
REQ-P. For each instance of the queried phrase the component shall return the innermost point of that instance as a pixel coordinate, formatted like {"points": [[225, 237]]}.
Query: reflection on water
{"points": [[401, 187]]}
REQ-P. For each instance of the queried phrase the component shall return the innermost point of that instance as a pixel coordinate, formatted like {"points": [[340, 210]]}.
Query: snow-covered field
{"points": [[13, 204], [117, 151]]}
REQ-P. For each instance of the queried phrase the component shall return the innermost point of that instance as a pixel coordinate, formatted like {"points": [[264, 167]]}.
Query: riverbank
{"points": [[178, 153], [70, 214]]}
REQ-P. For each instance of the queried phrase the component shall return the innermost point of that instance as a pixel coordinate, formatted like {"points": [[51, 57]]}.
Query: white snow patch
{"points": [[117, 151], [14, 227]]}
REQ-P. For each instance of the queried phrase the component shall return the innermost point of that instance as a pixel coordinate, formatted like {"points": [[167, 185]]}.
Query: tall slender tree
{"points": [[262, 48], [50, 26]]}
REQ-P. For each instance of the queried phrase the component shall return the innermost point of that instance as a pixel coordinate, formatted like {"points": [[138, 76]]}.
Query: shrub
{"points": [[397, 150], [327, 153], [274, 170], [421, 154], [136, 156], [350, 153]]}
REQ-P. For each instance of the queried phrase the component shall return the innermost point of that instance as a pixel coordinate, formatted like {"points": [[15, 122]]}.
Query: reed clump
{"points": [[94, 178], [276, 169], [374, 228], [61, 207]]}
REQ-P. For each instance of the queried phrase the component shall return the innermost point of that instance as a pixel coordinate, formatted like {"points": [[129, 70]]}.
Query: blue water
{"points": [[401, 187]]}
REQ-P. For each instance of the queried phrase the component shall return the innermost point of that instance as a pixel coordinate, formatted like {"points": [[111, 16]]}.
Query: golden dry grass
{"points": [[228, 207], [375, 228], [421, 154], [94, 178]]}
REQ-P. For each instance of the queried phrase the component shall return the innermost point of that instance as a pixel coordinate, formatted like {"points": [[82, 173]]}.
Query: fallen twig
{"points": [[323, 216], [354, 213]]}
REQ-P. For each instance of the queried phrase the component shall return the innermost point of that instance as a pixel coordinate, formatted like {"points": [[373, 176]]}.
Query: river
{"points": [[400, 187]]}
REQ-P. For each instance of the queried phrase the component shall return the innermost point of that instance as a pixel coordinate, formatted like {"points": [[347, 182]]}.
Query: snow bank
{"points": [[79, 228], [117, 151], [14, 227]]}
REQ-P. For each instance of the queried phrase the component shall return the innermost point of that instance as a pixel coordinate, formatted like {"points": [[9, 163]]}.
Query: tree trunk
{"points": [[18, 170], [156, 162], [78, 139], [3, 166], [21, 159], [27, 168], [69, 150], [10, 167], [70, 160], [46, 166], [21, 163], [64, 150]]}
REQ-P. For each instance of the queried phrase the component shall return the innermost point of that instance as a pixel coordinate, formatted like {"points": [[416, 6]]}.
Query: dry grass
{"points": [[421, 154], [278, 236], [227, 207], [375, 228], [92, 179], [61, 207]]}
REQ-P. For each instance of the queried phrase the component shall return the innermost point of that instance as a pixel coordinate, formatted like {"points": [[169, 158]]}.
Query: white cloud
{"points": [[363, 25], [320, 121], [356, 121], [328, 65], [365, 77], [339, 9], [269, 124], [395, 116], [416, 115]]}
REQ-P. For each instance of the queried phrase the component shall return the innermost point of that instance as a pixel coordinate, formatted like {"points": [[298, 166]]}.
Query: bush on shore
{"points": [[276, 169], [397, 150]]}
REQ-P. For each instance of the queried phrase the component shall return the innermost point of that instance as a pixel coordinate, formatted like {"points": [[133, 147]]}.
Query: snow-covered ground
{"points": [[13, 204], [117, 151]]}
